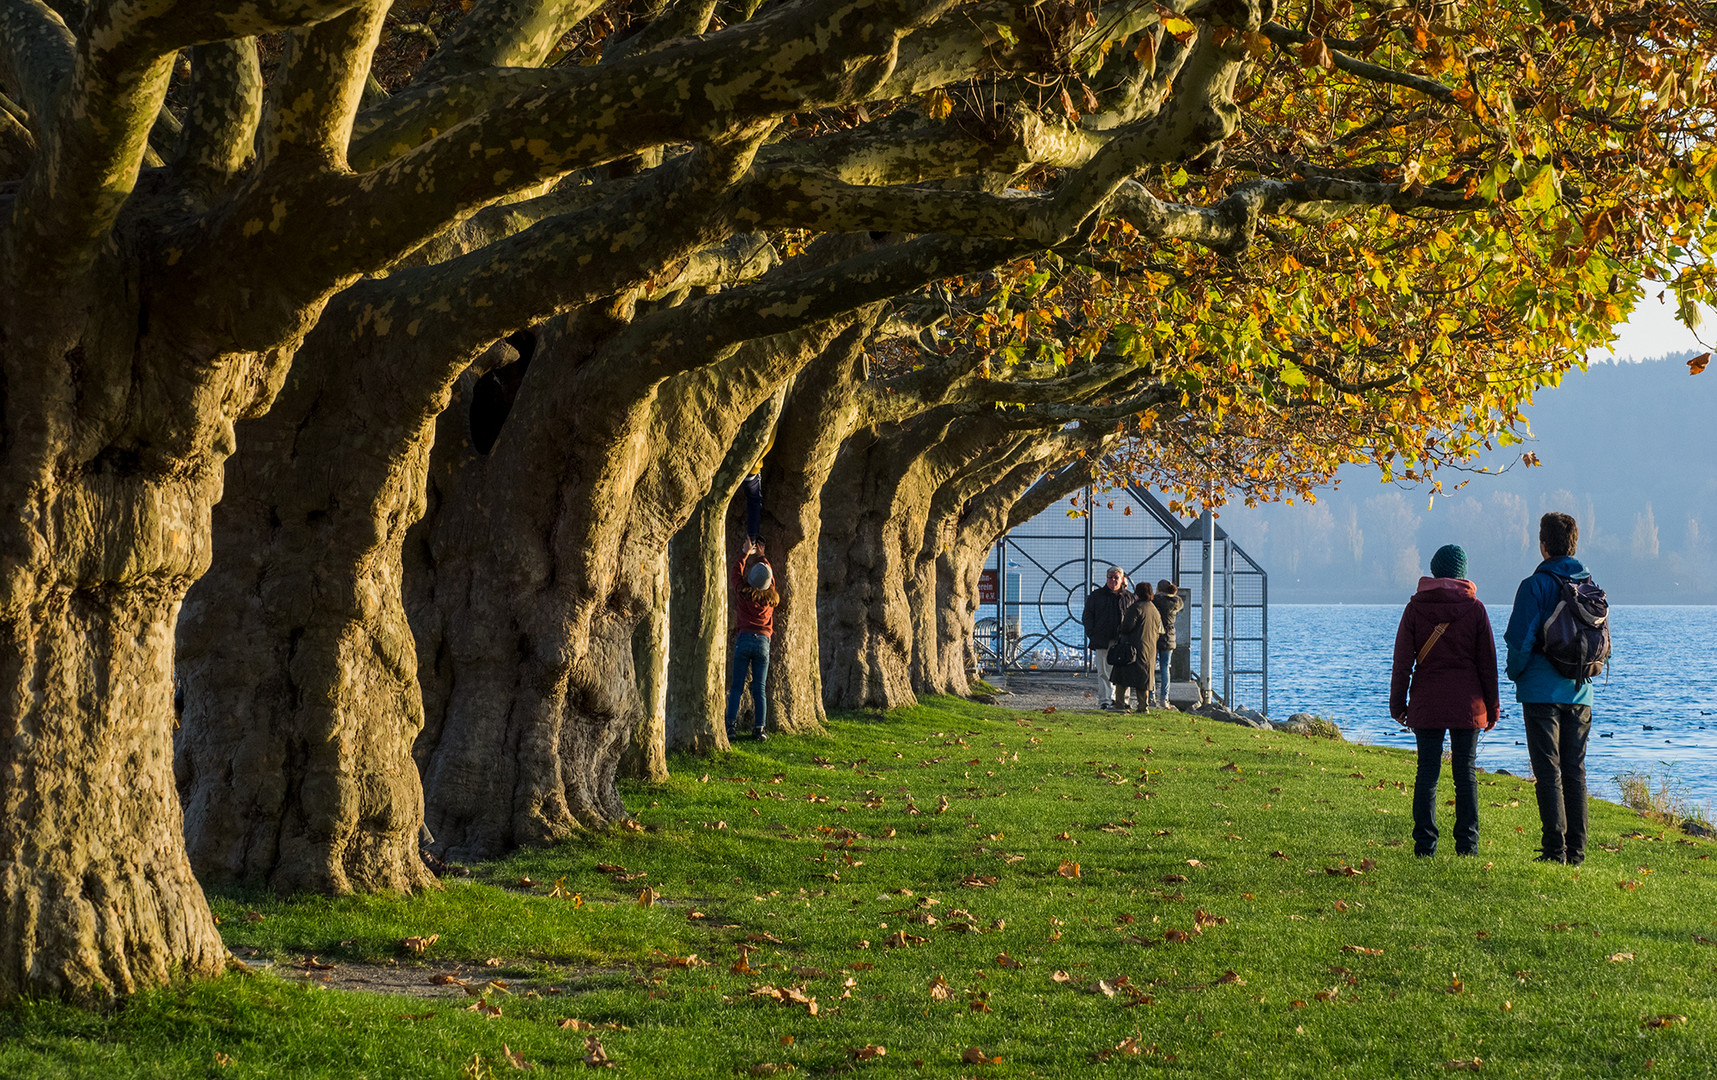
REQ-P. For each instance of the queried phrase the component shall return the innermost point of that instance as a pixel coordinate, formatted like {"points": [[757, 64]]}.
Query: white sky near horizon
{"points": [[1652, 330]]}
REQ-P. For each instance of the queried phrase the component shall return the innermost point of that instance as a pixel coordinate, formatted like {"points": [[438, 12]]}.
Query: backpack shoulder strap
{"points": [[1425, 649]]}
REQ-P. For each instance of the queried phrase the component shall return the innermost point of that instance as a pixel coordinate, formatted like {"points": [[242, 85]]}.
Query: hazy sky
{"points": [[1653, 331]]}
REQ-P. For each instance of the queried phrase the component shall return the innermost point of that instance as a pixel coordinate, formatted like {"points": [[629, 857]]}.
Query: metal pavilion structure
{"points": [[1038, 575]]}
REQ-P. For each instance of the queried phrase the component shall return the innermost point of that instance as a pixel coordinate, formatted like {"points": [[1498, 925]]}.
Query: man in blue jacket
{"points": [[1557, 710]]}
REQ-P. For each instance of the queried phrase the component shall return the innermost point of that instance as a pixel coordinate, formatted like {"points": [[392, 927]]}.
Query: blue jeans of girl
{"points": [[750, 656]]}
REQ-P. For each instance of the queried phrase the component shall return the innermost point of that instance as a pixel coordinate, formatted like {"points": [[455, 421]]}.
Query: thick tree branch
{"points": [[309, 113], [37, 55], [17, 147], [136, 32], [1051, 489], [653, 230], [792, 297], [91, 142], [677, 19], [700, 89], [226, 104], [504, 34]]}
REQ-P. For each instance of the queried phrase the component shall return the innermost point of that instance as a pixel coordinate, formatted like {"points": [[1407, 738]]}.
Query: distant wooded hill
{"points": [[1630, 449]]}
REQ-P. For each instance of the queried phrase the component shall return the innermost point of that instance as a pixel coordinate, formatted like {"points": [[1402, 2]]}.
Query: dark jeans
{"points": [[750, 654], [1464, 748], [1163, 659], [753, 487], [1556, 745]]}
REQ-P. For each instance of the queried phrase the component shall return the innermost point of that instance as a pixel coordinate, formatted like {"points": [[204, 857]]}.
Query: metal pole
{"points": [[1228, 622], [1088, 578], [1207, 590]]}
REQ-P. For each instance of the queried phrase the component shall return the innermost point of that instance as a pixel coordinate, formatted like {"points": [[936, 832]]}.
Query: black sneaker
{"points": [[761, 736], [1573, 860], [1547, 857], [1104, 705]]}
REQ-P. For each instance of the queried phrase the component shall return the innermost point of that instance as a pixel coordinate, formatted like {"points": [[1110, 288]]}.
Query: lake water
{"points": [[1658, 704]]}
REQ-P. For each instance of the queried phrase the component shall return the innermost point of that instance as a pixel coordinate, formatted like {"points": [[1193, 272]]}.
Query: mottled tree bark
{"points": [[646, 755]]}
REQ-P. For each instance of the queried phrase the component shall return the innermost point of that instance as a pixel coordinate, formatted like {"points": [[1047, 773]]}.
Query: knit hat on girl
{"points": [[1449, 562], [759, 576]]}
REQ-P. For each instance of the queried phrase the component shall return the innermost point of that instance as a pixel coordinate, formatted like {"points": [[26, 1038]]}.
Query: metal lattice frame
{"points": [[1045, 568]]}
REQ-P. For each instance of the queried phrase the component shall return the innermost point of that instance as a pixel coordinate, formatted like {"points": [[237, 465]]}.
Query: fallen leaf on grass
{"points": [[527, 883], [770, 1068], [1341, 907], [1456, 986], [416, 945], [314, 963], [1328, 995], [1129, 1045], [223, 1060], [1621, 957], [514, 1058], [1229, 978], [1068, 869], [1465, 1065], [974, 881], [1627, 886], [1061, 977], [1101, 986], [868, 1053], [1361, 950], [900, 939], [1174, 879], [647, 898], [610, 868], [1663, 1020], [482, 1008], [255, 917], [974, 1056], [570, 1024], [940, 990], [594, 1055]]}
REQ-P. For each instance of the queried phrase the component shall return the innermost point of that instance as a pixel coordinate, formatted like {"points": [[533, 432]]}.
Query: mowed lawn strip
{"points": [[956, 890]]}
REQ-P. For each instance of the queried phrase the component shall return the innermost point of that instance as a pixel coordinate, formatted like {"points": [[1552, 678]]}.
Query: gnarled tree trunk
{"points": [[301, 693], [540, 556]]}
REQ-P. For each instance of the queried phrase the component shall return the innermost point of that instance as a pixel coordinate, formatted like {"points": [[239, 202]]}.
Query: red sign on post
{"points": [[987, 593]]}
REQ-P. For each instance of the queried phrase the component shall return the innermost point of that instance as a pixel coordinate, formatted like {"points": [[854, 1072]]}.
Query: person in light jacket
{"points": [[1140, 628], [1445, 681]]}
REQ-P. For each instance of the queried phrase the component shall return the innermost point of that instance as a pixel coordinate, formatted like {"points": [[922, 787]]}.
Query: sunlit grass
{"points": [[1323, 947]]}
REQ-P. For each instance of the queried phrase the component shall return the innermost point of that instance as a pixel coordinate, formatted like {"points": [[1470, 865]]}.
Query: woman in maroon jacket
{"points": [[1445, 680]]}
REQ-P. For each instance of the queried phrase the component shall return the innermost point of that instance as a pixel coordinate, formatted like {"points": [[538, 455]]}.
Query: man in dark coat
{"points": [[1557, 710], [1102, 622]]}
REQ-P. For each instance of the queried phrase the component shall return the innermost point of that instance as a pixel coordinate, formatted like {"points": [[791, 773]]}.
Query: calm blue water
{"points": [[1334, 659]]}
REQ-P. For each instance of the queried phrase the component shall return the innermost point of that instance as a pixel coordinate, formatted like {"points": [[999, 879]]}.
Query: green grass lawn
{"points": [[1063, 894]]}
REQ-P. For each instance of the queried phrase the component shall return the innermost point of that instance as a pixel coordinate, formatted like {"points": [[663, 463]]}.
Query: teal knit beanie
{"points": [[1449, 562]]}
